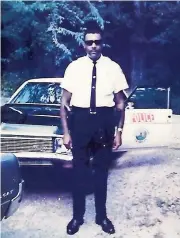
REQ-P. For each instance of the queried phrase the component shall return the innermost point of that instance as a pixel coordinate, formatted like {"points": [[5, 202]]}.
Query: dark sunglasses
{"points": [[90, 42]]}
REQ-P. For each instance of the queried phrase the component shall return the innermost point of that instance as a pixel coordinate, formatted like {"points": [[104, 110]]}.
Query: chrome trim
{"points": [[15, 202], [17, 144], [168, 98], [44, 156], [16, 110], [46, 116]]}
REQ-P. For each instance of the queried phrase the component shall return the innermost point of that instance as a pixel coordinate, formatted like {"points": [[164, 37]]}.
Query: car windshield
{"points": [[39, 92], [148, 97]]}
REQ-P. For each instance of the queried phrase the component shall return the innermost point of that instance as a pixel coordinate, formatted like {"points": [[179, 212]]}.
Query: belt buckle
{"points": [[92, 112]]}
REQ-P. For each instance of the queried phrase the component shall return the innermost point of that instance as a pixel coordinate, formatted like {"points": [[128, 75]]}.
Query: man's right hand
{"points": [[67, 141]]}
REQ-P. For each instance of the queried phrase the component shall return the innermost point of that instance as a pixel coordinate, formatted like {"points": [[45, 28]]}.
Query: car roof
{"points": [[51, 80]]}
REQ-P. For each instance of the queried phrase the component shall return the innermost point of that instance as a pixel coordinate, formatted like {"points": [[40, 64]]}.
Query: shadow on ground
{"points": [[138, 162], [43, 179], [50, 179], [57, 179], [46, 178]]}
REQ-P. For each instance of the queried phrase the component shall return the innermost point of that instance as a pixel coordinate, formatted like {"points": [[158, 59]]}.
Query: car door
{"points": [[148, 121]]}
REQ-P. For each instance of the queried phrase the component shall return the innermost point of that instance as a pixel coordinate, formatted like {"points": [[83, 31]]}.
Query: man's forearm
{"points": [[120, 109], [120, 117], [64, 121], [65, 102]]}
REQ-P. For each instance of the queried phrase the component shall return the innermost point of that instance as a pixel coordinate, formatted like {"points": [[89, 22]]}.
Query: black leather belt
{"points": [[88, 109]]}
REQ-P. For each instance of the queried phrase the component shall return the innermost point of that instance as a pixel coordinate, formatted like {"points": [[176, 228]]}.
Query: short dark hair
{"points": [[92, 27]]}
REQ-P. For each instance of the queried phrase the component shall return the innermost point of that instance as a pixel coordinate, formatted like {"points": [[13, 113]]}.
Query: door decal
{"points": [[141, 135], [142, 117]]}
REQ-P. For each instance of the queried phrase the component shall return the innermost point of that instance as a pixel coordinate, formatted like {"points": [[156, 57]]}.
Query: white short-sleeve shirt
{"points": [[109, 80]]}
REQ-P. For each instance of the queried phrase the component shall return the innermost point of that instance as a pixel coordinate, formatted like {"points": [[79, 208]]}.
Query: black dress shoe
{"points": [[73, 226], [106, 225]]}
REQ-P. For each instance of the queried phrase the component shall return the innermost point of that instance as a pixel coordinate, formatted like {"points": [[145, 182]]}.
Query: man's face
{"points": [[93, 45]]}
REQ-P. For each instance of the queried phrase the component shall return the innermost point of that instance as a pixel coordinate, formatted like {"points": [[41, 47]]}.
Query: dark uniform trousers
{"points": [[92, 134]]}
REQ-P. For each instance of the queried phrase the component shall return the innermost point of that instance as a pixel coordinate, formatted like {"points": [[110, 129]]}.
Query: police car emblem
{"points": [[141, 135]]}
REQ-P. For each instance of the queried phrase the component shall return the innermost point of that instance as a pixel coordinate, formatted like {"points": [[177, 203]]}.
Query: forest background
{"points": [[40, 38]]}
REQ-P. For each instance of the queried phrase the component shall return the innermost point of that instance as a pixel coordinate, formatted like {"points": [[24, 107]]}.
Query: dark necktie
{"points": [[93, 90]]}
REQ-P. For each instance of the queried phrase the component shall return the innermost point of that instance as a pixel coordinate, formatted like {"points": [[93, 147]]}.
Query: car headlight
{"points": [[59, 147]]}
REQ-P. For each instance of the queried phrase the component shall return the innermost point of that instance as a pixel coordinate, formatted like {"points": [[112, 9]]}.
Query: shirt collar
{"points": [[99, 60]]}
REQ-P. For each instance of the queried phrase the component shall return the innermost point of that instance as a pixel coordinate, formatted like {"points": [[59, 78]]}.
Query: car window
{"points": [[148, 98], [39, 93]]}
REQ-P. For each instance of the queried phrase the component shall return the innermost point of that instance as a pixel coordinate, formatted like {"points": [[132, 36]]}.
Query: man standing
{"points": [[93, 86]]}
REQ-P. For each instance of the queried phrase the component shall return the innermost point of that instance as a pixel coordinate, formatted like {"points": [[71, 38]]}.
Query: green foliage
{"points": [[52, 27], [40, 38]]}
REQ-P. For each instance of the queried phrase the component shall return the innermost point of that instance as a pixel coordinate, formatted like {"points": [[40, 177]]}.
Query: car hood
{"points": [[31, 114], [30, 130]]}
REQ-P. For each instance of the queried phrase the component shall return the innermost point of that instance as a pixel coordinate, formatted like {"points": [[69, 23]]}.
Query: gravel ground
{"points": [[143, 201], [143, 198]]}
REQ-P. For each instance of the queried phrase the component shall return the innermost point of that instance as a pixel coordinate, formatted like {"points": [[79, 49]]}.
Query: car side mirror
{"points": [[130, 105]]}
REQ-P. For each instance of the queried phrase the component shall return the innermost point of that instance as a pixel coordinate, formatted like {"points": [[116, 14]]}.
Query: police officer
{"points": [[92, 90]]}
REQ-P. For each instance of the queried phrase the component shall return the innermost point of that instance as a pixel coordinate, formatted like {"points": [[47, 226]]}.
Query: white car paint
{"points": [[29, 130], [147, 128]]}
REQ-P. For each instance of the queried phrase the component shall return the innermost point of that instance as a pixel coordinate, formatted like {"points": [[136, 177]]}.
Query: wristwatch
{"points": [[119, 129]]}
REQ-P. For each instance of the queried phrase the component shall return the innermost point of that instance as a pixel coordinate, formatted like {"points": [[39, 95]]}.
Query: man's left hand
{"points": [[117, 141]]}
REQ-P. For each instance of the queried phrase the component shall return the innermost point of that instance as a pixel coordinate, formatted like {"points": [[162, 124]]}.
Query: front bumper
{"points": [[15, 202], [34, 158]]}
